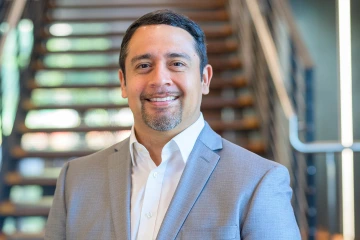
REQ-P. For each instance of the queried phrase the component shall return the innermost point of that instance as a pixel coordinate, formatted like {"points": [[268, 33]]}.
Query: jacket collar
{"points": [[119, 173], [201, 164]]}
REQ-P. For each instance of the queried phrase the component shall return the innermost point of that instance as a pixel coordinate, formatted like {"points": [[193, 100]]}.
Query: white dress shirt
{"points": [[153, 186]]}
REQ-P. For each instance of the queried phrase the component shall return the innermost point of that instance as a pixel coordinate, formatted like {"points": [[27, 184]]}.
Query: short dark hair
{"points": [[171, 18]]}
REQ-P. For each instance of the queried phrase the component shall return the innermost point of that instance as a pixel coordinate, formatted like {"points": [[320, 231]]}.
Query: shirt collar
{"points": [[184, 140]]}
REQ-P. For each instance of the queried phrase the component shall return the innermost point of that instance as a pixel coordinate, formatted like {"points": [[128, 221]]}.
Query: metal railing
{"points": [[280, 71]]}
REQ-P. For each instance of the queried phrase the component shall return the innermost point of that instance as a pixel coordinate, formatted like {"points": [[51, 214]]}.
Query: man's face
{"points": [[163, 80]]}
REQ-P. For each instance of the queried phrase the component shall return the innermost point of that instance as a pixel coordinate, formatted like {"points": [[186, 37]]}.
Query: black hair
{"points": [[171, 18]]}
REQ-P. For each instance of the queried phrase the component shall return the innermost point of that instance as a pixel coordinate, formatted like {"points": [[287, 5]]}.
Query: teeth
{"points": [[162, 99]]}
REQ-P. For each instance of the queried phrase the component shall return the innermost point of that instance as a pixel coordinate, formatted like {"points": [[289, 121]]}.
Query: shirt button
{"points": [[148, 215], [155, 174]]}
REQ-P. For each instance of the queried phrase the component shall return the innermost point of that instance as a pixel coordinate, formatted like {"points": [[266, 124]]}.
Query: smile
{"points": [[164, 99]]}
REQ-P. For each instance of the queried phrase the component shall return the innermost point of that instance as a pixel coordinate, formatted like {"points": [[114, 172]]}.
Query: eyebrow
{"points": [[167, 55], [178, 55], [141, 57]]}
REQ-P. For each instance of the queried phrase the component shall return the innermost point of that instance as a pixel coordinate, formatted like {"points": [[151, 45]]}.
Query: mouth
{"points": [[162, 99]]}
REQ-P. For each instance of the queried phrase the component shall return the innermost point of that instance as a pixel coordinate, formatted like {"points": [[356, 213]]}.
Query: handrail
{"points": [[295, 105], [13, 18], [284, 7], [316, 147], [268, 46]]}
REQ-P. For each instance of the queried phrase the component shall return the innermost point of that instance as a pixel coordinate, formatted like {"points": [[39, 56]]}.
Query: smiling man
{"points": [[174, 177]]}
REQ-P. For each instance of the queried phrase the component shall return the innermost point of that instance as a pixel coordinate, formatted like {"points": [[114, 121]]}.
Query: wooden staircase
{"points": [[74, 77]]}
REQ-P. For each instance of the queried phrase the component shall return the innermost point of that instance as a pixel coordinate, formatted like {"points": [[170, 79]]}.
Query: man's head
{"points": [[162, 65], [170, 18]]}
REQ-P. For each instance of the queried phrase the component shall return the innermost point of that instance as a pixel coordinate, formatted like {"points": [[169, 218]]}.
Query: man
{"points": [[174, 178]]}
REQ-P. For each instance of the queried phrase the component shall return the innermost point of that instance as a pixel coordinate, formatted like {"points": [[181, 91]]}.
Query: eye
{"points": [[143, 65], [178, 64]]}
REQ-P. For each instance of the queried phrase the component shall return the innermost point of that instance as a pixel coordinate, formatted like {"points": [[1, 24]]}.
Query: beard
{"points": [[165, 119]]}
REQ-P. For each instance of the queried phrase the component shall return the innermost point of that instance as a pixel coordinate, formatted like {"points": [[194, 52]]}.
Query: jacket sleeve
{"points": [[56, 224], [270, 215]]}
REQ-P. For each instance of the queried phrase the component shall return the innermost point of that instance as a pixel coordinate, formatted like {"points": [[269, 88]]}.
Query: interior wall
{"points": [[355, 44], [316, 21]]}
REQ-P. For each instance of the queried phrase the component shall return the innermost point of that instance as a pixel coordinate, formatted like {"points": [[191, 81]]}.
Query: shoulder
{"points": [[100, 156], [240, 155], [94, 164], [249, 165]]}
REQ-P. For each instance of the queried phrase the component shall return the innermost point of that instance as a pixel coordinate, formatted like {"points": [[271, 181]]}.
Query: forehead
{"points": [[160, 39]]}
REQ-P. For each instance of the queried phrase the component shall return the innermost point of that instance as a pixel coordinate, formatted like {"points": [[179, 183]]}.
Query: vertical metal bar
{"points": [[331, 191], [310, 137]]}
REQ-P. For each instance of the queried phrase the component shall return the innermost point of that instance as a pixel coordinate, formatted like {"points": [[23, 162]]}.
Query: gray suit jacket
{"points": [[225, 192]]}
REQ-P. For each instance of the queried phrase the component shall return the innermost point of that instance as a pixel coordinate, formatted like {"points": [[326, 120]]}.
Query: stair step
{"points": [[235, 82], [218, 64], [31, 84], [22, 236], [207, 103], [23, 129], [18, 152], [217, 83], [197, 16], [15, 178], [143, 3], [213, 47], [221, 31], [28, 105], [8, 208]]}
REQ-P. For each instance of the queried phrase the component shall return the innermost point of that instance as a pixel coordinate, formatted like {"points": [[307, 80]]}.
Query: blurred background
{"points": [[286, 87]]}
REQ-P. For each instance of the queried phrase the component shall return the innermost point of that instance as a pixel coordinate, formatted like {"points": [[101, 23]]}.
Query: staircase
{"points": [[71, 104]]}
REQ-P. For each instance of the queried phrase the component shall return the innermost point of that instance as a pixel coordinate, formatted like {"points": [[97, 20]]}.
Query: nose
{"points": [[160, 76]]}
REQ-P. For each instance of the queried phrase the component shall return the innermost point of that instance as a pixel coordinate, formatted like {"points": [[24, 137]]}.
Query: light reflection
{"points": [[31, 167], [35, 141], [26, 194], [9, 226], [121, 135], [77, 96], [83, 60], [32, 224], [65, 44], [63, 141], [24, 225], [124, 118], [62, 61], [67, 141], [4, 27], [61, 29], [58, 45], [102, 117], [98, 140], [96, 118], [62, 118], [50, 78], [26, 25], [56, 78]]}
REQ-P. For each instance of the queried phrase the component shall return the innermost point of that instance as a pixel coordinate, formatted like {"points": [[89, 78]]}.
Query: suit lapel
{"points": [[201, 163], [119, 169]]}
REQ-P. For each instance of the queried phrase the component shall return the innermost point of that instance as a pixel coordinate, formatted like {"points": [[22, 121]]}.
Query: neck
{"points": [[154, 141]]}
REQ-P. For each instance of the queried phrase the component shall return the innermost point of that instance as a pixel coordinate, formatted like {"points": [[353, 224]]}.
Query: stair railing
{"points": [[280, 71]]}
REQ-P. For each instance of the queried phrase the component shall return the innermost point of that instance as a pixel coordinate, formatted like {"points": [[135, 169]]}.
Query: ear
{"points": [[206, 79], [123, 84]]}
